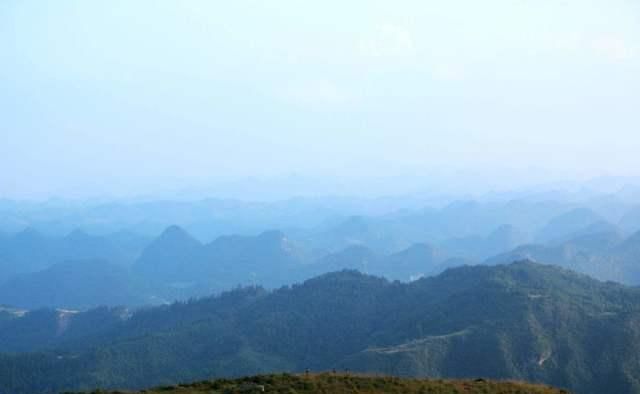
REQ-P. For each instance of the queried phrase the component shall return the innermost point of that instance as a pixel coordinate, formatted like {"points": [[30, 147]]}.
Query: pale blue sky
{"points": [[130, 97]]}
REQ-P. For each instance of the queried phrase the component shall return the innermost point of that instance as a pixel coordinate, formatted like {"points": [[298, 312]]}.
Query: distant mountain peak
{"points": [[177, 233], [602, 226], [167, 253], [635, 237], [505, 228], [354, 224], [353, 251], [29, 233], [420, 249], [78, 234], [567, 224], [631, 244], [173, 229], [272, 235]]}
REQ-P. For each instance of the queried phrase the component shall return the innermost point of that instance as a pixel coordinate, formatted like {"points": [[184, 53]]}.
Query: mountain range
{"points": [[403, 245], [29, 250], [599, 251]]}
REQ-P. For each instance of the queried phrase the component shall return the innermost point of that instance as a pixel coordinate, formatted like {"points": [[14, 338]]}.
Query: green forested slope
{"points": [[522, 321]]}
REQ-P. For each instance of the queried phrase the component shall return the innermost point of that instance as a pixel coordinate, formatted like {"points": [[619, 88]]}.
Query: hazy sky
{"points": [[126, 97]]}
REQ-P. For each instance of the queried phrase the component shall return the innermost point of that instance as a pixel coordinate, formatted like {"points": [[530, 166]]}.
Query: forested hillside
{"points": [[519, 321]]}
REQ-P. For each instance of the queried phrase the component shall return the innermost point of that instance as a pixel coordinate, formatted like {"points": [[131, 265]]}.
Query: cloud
{"points": [[610, 48], [448, 72], [613, 48], [388, 41], [314, 92]]}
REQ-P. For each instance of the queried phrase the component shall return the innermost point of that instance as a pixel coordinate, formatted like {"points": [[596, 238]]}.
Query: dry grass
{"points": [[332, 383]]}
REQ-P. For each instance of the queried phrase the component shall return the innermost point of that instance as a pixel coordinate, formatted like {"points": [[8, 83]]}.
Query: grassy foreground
{"points": [[330, 383]]}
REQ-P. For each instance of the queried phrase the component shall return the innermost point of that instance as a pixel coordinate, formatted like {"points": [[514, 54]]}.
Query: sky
{"points": [[120, 98]]}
